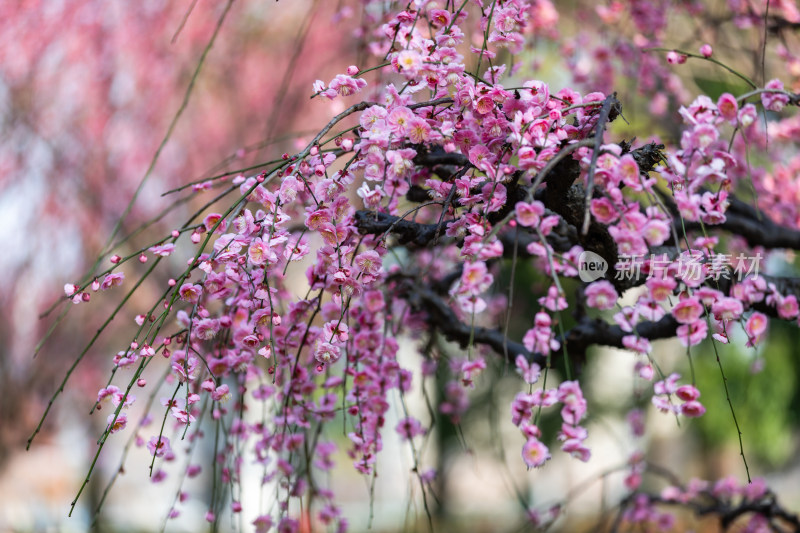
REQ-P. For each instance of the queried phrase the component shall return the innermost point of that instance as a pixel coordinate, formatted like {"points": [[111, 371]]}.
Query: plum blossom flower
{"points": [[70, 289], [727, 308], [660, 289], [345, 86], [637, 344], [668, 385], [399, 120], [627, 318], [756, 328], [692, 334], [535, 453], [756, 489], [112, 280], [788, 307], [628, 170], [409, 427], [747, 115], [221, 394], [400, 162], [182, 413], [529, 371], [528, 214], [244, 224], [541, 338], [470, 370], [687, 393], [570, 394], [521, 408], [655, 232], [675, 58], [260, 252], [554, 301], [635, 419], [687, 311], [419, 131], [701, 111], [372, 197], [326, 353], [262, 523], [111, 392], [408, 62], [439, 18], [206, 328], [296, 250], [335, 331], [693, 409], [601, 295], [644, 370], [117, 422], [728, 107], [774, 101], [369, 263], [456, 401], [604, 211], [577, 449], [474, 280], [212, 220], [482, 158], [190, 292], [163, 249], [158, 446]]}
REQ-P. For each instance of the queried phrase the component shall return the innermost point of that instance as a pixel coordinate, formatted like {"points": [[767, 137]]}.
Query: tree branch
{"points": [[742, 219], [577, 340], [371, 222], [444, 320]]}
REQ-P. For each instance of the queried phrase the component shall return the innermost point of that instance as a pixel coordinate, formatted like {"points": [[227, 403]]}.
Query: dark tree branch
{"points": [[647, 156], [440, 157], [408, 232], [742, 219], [431, 103], [444, 320], [591, 331], [568, 200], [561, 238], [728, 512], [561, 196], [610, 110], [757, 228], [577, 340]]}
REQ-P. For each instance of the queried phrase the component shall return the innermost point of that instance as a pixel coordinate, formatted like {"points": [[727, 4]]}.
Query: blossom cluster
{"points": [[292, 300]]}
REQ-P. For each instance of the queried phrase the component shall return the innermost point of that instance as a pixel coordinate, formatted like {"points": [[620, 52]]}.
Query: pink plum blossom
{"points": [[693, 333], [112, 280], [728, 107], [774, 100], [158, 446], [601, 295], [529, 215], [687, 310], [535, 453], [755, 327], [409, 427]]}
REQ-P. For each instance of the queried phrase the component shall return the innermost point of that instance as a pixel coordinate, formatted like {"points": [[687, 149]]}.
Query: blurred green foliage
{"points": [[767, 403]]}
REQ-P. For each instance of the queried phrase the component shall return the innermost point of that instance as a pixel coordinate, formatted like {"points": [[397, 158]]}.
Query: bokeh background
{"points": [[88, 91]]}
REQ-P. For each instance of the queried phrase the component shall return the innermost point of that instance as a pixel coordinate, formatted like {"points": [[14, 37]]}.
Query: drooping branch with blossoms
{"points": [[394, 224]]}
